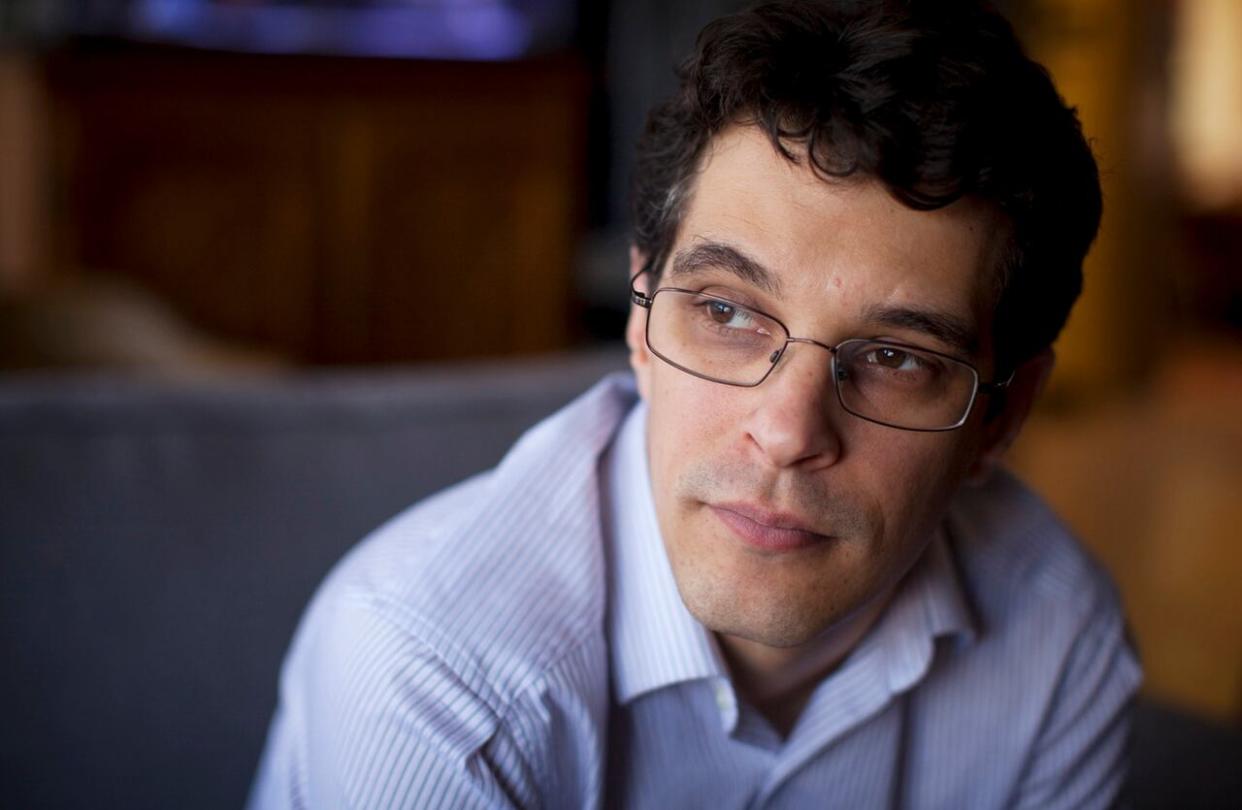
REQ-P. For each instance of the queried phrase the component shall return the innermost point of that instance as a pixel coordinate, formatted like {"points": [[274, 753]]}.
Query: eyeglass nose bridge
{"points": [[838, 373], [779, 353]]}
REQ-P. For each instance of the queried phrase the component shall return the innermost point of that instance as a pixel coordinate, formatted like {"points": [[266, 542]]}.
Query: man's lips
{"points": [[766, 530]]}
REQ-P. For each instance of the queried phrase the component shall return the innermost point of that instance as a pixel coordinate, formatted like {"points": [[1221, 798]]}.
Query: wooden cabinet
{"points": [[335, 210]]}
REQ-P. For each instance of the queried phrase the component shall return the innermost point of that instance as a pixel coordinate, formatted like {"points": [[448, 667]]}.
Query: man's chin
{"points": [[778, 625], [778, 639]]}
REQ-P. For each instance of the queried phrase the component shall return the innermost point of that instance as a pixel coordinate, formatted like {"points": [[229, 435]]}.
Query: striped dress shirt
{"points": [[518, 641]]}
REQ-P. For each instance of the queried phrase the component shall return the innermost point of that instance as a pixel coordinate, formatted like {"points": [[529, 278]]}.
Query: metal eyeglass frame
{"points": [[985, 388]]}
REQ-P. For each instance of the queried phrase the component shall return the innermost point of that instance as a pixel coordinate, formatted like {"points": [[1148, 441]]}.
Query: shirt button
{"points": [[724, 700]]}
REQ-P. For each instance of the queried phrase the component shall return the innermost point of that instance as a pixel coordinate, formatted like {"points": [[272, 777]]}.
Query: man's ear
{"points": [[1003, 426], [636, 326]]}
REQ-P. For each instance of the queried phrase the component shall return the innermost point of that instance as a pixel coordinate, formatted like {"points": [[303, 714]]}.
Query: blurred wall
{"points": [[1138, 443]]}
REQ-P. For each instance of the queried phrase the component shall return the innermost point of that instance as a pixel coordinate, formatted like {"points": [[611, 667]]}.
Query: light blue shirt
{"points": [[519, 641]]}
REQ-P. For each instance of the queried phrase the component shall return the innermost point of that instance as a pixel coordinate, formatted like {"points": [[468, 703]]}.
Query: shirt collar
{"points": [[929, 604], [656, 642]]}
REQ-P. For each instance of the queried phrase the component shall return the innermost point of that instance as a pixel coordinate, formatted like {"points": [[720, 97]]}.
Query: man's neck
{"points": [[779, 681]]}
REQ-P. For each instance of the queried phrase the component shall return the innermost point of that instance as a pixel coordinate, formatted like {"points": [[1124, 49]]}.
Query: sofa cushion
{"points": [[158, 542]]}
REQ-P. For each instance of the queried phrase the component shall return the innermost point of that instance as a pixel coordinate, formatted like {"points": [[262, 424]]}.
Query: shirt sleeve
{"points": [[370, 717], [1079, 758]]}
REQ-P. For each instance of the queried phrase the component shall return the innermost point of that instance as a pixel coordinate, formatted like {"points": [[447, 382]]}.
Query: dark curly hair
{"points": [[934, 98]]}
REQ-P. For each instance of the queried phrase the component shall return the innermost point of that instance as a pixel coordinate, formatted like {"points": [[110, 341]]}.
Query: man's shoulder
{"points": [[1015, 553], [463, 640], [502, 574], [1051, 654]]}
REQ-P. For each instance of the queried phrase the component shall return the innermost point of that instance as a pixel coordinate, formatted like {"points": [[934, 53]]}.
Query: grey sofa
{"points": [[158, 541]]}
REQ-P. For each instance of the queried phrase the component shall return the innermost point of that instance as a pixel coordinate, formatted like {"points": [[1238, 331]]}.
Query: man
{"points": [[787, 574]]}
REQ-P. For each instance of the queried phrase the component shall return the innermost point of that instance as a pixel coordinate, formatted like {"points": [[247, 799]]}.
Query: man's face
{"points": [[781, 513]]}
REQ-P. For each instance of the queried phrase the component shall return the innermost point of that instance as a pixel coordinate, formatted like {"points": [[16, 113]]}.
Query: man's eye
{"points": [[890, 357], [729, 315], [720, 311], [892, 360]]}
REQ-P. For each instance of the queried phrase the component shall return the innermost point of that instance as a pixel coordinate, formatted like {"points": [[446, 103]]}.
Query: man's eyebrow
{"points": [[725, 257], [946, 328]]}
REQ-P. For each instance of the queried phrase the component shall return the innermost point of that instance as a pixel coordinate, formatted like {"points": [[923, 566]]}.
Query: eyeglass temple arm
{"points": [[637, 297], [997, 385]]}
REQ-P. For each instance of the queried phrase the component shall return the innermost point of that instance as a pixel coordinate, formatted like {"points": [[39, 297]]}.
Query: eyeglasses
{"points": [[892, 384]]}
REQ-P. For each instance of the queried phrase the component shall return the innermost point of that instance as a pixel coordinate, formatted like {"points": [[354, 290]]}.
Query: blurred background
{"points": [[204, 188]]}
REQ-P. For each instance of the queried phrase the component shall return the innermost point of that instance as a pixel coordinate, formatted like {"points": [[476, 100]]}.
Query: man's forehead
{"points": [[743, 179], [747, 145]]}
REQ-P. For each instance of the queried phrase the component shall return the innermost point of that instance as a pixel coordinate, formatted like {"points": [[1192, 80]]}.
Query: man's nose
{"points": [[796, 417]]}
